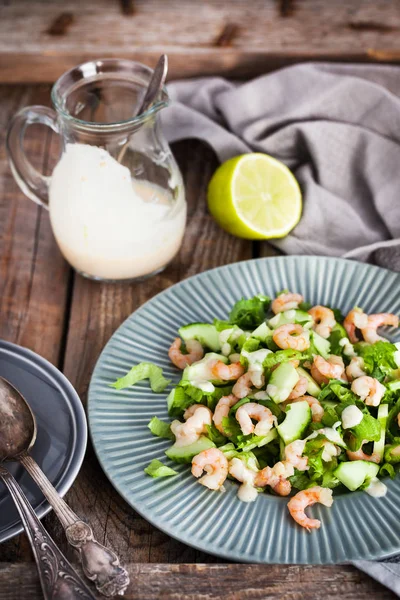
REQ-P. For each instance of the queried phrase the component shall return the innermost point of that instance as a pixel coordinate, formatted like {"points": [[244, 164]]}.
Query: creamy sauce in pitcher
{"points": [[107, 224]]}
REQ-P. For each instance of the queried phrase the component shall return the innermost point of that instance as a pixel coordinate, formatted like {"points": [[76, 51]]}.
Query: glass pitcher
{"points": [[115, 198]]}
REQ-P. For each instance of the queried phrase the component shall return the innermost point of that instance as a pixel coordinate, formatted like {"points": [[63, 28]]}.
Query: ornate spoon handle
{"points": [[57, 576], [100, 564]]}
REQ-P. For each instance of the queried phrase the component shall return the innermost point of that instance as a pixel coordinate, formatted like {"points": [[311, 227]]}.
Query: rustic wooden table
{"points": [[45, 306]]}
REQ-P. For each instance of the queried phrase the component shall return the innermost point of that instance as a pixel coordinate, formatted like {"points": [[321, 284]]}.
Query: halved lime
{"points": [[255, 196]]}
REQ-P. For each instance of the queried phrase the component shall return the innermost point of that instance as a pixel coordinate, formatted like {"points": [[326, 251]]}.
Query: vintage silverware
{"points": [[154, 88], [57, 576], [17, 436]]}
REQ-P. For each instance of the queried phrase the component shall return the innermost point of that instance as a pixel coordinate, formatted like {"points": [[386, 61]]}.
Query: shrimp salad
{"points": [[284, 398]]}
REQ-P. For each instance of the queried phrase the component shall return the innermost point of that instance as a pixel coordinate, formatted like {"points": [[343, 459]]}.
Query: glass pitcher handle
{"points": [[32, 183]]}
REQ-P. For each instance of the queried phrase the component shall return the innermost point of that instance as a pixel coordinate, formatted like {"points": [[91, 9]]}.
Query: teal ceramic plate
{"points": [[356, 527]]}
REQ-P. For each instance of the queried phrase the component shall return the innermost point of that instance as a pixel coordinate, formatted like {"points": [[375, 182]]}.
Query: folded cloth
{"points": [[336, 126]]}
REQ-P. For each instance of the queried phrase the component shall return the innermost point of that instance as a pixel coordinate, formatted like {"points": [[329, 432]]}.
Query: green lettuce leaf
{"points": [[305, 306], [390, 457], [337, 390], [232, 428], [281, 356], [157, 469], [378, 358], [250, 345], [387, 470], [178, 401], [300, 480], [209, 399], [229, 450], [369, 429], [142, 371], [214, 435], [249, 313], [161, 429], [221, 325]]}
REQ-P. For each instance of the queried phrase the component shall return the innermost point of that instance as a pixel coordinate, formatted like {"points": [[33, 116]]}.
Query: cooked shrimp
{"points": [[291, 336], [198, 416], [215, 464], [293, 454], [355, 368], [286, 302], [276, 477], [324, 320], [227, 372], [322, 370], [222, 410], [262, 414], [189, 412], [374, 321], [360, 455], [195, 353], [301, 500], [356, 318], [369, 389], [299, 389], [316, 409], [242, 387]]}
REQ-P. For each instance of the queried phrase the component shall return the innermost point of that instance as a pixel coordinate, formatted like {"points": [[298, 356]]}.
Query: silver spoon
{"points": [[155, 86], [57, 576], [17, 436]]}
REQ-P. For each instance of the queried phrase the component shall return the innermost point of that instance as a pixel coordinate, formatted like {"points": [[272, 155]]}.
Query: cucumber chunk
{"points": [[312, 386], [184, 454], [353, 474], [298, 418], [379, 446], [282, 381], [205, 333], [322, 346], [262, 333], [291, 316]]}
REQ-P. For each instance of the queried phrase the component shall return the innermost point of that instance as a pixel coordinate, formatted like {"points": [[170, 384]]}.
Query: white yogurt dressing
{"points": [[247, 492], [376, 488], [348, 348], [255, 366], [351, 416], [106, 224]]}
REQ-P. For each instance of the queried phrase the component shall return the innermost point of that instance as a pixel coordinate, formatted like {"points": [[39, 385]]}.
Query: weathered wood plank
{"points": [[219, 582], [261, 37], [33, 275]]}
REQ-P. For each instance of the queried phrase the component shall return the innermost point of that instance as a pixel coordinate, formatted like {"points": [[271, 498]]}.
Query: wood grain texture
{"points": [[220, 582], [266, 36], [33, 275]]}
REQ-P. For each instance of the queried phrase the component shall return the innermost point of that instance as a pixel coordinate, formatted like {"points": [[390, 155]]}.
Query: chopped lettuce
{"points": [[144, 370], [161, 429], [337, 390], [281, 356], [300, 480], [378, 358], [249, 313], [196, 395], [392, 454], [387, 470], [369, 429], [221, 325], [214, 435], [157, 469]]}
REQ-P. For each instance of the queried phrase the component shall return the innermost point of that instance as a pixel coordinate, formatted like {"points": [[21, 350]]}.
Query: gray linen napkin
{"points": [[338, 128]]}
